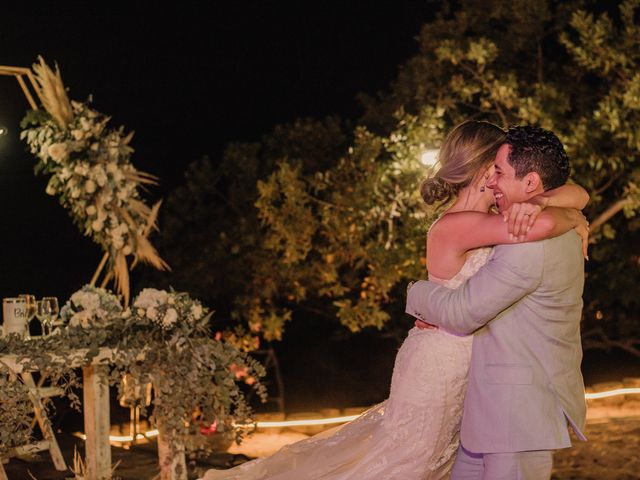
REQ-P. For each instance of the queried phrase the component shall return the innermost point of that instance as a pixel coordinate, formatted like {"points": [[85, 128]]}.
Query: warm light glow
{"points": [[3, 131], [345, 419], [612, 393], [428, 157]]}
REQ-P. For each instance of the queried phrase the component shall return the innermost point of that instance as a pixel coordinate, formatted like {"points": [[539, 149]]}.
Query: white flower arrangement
{"points": [[169, 310], [91, 307], [92, 174]]}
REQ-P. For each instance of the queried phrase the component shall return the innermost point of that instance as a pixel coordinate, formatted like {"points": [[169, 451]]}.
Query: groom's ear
{"points": [[533, 183]]}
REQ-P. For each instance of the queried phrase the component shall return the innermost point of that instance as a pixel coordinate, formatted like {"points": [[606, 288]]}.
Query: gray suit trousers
{"points": [[534, 465]]}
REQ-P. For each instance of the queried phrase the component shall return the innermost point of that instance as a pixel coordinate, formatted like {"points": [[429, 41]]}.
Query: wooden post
{"points": [[101, 265], [97, 422], [173, 464]]}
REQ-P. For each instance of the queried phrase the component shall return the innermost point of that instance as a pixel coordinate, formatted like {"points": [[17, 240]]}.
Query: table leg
{"points": [[44, 422], [97, 424], [173, 465]]}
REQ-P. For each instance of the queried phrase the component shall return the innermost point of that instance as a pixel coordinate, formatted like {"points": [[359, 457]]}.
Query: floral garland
{"points": [[92, 174], [165, 339]]}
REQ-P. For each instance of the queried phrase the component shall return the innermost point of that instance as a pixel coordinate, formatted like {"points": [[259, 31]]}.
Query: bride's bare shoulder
{"points": [[456, 222]]}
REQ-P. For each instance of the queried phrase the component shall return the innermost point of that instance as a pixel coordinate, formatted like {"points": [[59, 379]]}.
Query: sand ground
{"points": [[612, 453]]}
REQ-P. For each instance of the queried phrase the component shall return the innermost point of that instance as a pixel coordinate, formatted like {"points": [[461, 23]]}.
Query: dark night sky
{"points": [[188, 81]]}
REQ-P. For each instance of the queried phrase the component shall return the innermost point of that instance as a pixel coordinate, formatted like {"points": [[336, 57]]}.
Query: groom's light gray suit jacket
{"points": [[525, 367]]}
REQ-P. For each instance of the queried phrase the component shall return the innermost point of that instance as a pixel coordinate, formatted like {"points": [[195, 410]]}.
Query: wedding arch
{"points": [[91, 173], [160, 337]]}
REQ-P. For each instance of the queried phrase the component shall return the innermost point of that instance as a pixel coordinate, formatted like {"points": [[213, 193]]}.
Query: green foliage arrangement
{"points": [[164, 338]]}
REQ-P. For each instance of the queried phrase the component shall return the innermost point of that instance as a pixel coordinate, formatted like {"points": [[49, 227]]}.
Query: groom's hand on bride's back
{"points": [[421, 324]]}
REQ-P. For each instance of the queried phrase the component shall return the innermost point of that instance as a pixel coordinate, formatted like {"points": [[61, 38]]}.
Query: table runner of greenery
{"points": [[164, 338]]}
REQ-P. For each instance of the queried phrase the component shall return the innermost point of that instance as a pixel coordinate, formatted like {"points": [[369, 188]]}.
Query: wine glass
{"points": [[41, 315], [30, 310], [48, 312]]}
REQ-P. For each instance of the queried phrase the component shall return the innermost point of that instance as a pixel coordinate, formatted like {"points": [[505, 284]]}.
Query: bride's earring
{"points": [[486, 177]]}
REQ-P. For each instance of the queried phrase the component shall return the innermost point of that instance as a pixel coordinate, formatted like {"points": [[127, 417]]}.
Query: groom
{"points": [[525, 386]]}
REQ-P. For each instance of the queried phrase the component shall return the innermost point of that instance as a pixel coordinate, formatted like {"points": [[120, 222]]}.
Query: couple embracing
{"points": [[488, 384]]}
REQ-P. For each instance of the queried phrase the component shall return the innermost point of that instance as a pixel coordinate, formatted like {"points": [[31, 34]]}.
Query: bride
{"points": [[414, 433]]}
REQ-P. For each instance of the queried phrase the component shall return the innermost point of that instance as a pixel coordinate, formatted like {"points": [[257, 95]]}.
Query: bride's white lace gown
{"points": [[412, 435]]}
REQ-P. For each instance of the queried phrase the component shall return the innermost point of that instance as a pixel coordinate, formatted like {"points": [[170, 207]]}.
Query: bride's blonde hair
{"points": [[468, 148]]}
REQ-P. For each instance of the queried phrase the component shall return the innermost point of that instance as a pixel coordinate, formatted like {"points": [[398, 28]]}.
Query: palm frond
{"points": [[52, 93], [147, 253], [121, 276]]}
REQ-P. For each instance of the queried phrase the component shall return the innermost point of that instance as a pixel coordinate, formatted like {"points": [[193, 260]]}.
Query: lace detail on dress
{"points": [[475, 259], [413, 435]]}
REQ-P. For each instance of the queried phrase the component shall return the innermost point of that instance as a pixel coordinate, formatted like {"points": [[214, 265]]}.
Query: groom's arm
{"points": [[512, 272]]}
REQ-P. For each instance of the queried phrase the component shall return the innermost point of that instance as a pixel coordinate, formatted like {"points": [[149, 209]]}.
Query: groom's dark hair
{"points": [[534, 149]]}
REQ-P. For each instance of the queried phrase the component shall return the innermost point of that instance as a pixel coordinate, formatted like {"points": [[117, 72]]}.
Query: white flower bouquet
{"points": [[168, 310], [91, 307]]}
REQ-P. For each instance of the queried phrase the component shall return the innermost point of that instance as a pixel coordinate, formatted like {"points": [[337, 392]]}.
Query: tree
{"points": [[342, 236], [211, 234]]}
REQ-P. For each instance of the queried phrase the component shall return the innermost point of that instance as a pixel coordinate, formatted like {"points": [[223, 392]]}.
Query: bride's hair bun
{"points": [[468, 149], [435, 189]]}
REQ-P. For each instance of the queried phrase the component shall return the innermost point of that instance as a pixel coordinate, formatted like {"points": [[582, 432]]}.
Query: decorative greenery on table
{"points": [[164, 338], [15, 409]]}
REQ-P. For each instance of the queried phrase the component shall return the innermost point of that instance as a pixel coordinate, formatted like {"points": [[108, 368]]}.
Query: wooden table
{"points": [[97, 417], [96, 409]]}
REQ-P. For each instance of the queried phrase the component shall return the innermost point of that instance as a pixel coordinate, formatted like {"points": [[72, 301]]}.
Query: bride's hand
{"points": [[520, 217], [582, 228]]}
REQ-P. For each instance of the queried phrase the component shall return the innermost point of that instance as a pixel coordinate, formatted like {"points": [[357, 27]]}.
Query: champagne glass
{"points": [[48, 308], [41, 316], [30, 310]]}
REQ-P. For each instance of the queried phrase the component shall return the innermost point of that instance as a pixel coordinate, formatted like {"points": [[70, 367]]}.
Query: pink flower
{"points": [[238, 371], [209, 429]]}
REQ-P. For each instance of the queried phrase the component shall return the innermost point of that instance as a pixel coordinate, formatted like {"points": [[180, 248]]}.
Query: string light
{"points": [[303, 423], [612, 393], [343, 419], [124, 438]]}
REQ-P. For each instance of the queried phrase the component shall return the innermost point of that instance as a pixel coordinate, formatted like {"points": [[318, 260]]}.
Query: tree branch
{"points": [[596, 339], [540, 71], [608, 213], [329, 204], [315, 311], [487, 86], [608, 183]]}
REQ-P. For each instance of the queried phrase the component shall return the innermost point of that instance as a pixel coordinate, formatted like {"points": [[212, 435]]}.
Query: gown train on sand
{"points": [[411, 435]]}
